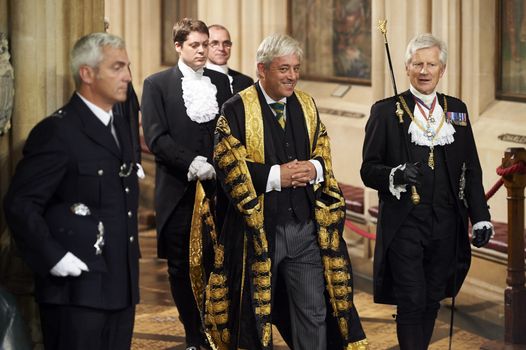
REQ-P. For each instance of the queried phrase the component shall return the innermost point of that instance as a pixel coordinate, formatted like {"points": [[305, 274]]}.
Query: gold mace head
{"points": [[382, 26], [415, 197]]}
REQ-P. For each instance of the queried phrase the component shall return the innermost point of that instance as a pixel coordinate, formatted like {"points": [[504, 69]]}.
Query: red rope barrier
{"points": [[359, 231], [494, 189], [519, 168]]}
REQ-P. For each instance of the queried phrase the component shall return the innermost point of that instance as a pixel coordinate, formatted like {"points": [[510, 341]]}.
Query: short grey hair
{"points": [[277, 45], [88, 51], [424, 41]]}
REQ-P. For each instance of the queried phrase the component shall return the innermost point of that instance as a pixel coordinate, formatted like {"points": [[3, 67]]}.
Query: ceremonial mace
{"points": [[382, 26]]}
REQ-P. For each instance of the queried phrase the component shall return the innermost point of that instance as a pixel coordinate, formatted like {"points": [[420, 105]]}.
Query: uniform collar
{"points": [[101, 114]]}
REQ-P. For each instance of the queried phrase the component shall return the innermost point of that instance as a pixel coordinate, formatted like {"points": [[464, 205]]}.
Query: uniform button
{"points": [[131, 239], [286, 144], [130, 214], [289, 209], [290, 157], [127, 190], [100, 172]]}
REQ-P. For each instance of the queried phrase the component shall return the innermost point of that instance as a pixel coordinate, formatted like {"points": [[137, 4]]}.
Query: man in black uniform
{"points": [[72, 206], [180, 107], [423, 139]]}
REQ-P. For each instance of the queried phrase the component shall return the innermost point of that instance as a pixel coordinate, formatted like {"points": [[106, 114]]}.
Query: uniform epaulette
{"points": [[58, 113], [451, 97], [387, 99]]}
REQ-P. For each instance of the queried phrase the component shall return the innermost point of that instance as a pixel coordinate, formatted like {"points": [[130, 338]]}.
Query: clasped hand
{"points": [[410, 175], [297, 173], [201, 169]]}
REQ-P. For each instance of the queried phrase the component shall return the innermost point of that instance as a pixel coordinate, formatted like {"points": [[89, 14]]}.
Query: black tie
{"points": [[113, 132]]}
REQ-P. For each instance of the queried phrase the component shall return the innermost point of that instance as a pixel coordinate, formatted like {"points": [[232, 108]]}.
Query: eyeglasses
{"points": [[226, 44]]}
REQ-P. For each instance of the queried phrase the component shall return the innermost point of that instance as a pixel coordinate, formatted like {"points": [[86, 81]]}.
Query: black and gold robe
{"points": [[237, 301]]}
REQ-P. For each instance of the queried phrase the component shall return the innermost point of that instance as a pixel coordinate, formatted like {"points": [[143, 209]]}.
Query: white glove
{"points": [[140, 171], [69, 265], [194, 167], [206, 172]]}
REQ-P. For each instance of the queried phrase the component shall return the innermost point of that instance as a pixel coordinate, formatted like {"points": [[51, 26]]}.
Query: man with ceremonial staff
{"points": [[423, 139]]}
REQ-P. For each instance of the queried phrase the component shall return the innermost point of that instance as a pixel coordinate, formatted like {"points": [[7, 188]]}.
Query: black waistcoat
{"points": [[435, 188], [293, 203]]}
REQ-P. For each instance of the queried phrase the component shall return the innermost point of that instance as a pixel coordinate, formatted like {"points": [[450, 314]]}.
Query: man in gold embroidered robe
{"points": [[280, 257]]}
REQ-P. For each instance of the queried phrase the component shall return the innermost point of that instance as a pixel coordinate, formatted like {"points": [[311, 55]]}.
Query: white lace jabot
{"points": [[199, 94], [418, 136]]}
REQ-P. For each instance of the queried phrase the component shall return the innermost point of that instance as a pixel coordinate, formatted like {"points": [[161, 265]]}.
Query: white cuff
{"points": [[483, 224], [396, 190], [274, 179], [319, 172]]}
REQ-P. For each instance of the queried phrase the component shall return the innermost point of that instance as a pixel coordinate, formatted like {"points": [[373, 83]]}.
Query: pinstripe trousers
{"points": [[297, 259]]}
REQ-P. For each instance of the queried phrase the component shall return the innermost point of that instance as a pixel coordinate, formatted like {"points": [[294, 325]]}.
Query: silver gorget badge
{"points": [[99, 243], [462, 186], [80, 209]]}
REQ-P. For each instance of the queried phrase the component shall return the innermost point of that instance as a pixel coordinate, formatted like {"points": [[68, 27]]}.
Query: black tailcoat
{"points": [[174, 138], [386, 146], [70, 158]]}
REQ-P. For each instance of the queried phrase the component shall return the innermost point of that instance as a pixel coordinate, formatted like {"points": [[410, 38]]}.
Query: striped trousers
{"points": [[297, 259]]}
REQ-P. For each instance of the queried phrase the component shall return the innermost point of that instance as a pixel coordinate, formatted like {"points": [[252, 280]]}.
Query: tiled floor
{"points": [[158, 326]]}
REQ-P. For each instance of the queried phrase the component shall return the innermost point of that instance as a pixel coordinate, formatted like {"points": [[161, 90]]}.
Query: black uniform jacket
{"points": [[174, 138], [71, 159], [240, 81], [386, 146]]}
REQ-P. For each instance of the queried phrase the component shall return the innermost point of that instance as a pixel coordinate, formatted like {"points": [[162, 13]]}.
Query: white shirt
{"points": [[100, 113]]}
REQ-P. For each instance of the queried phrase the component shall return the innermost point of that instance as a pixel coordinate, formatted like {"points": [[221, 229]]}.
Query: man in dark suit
{"points": [[281, 243], [218, 56], [72, 206], [179, 110], [420, 144]]}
